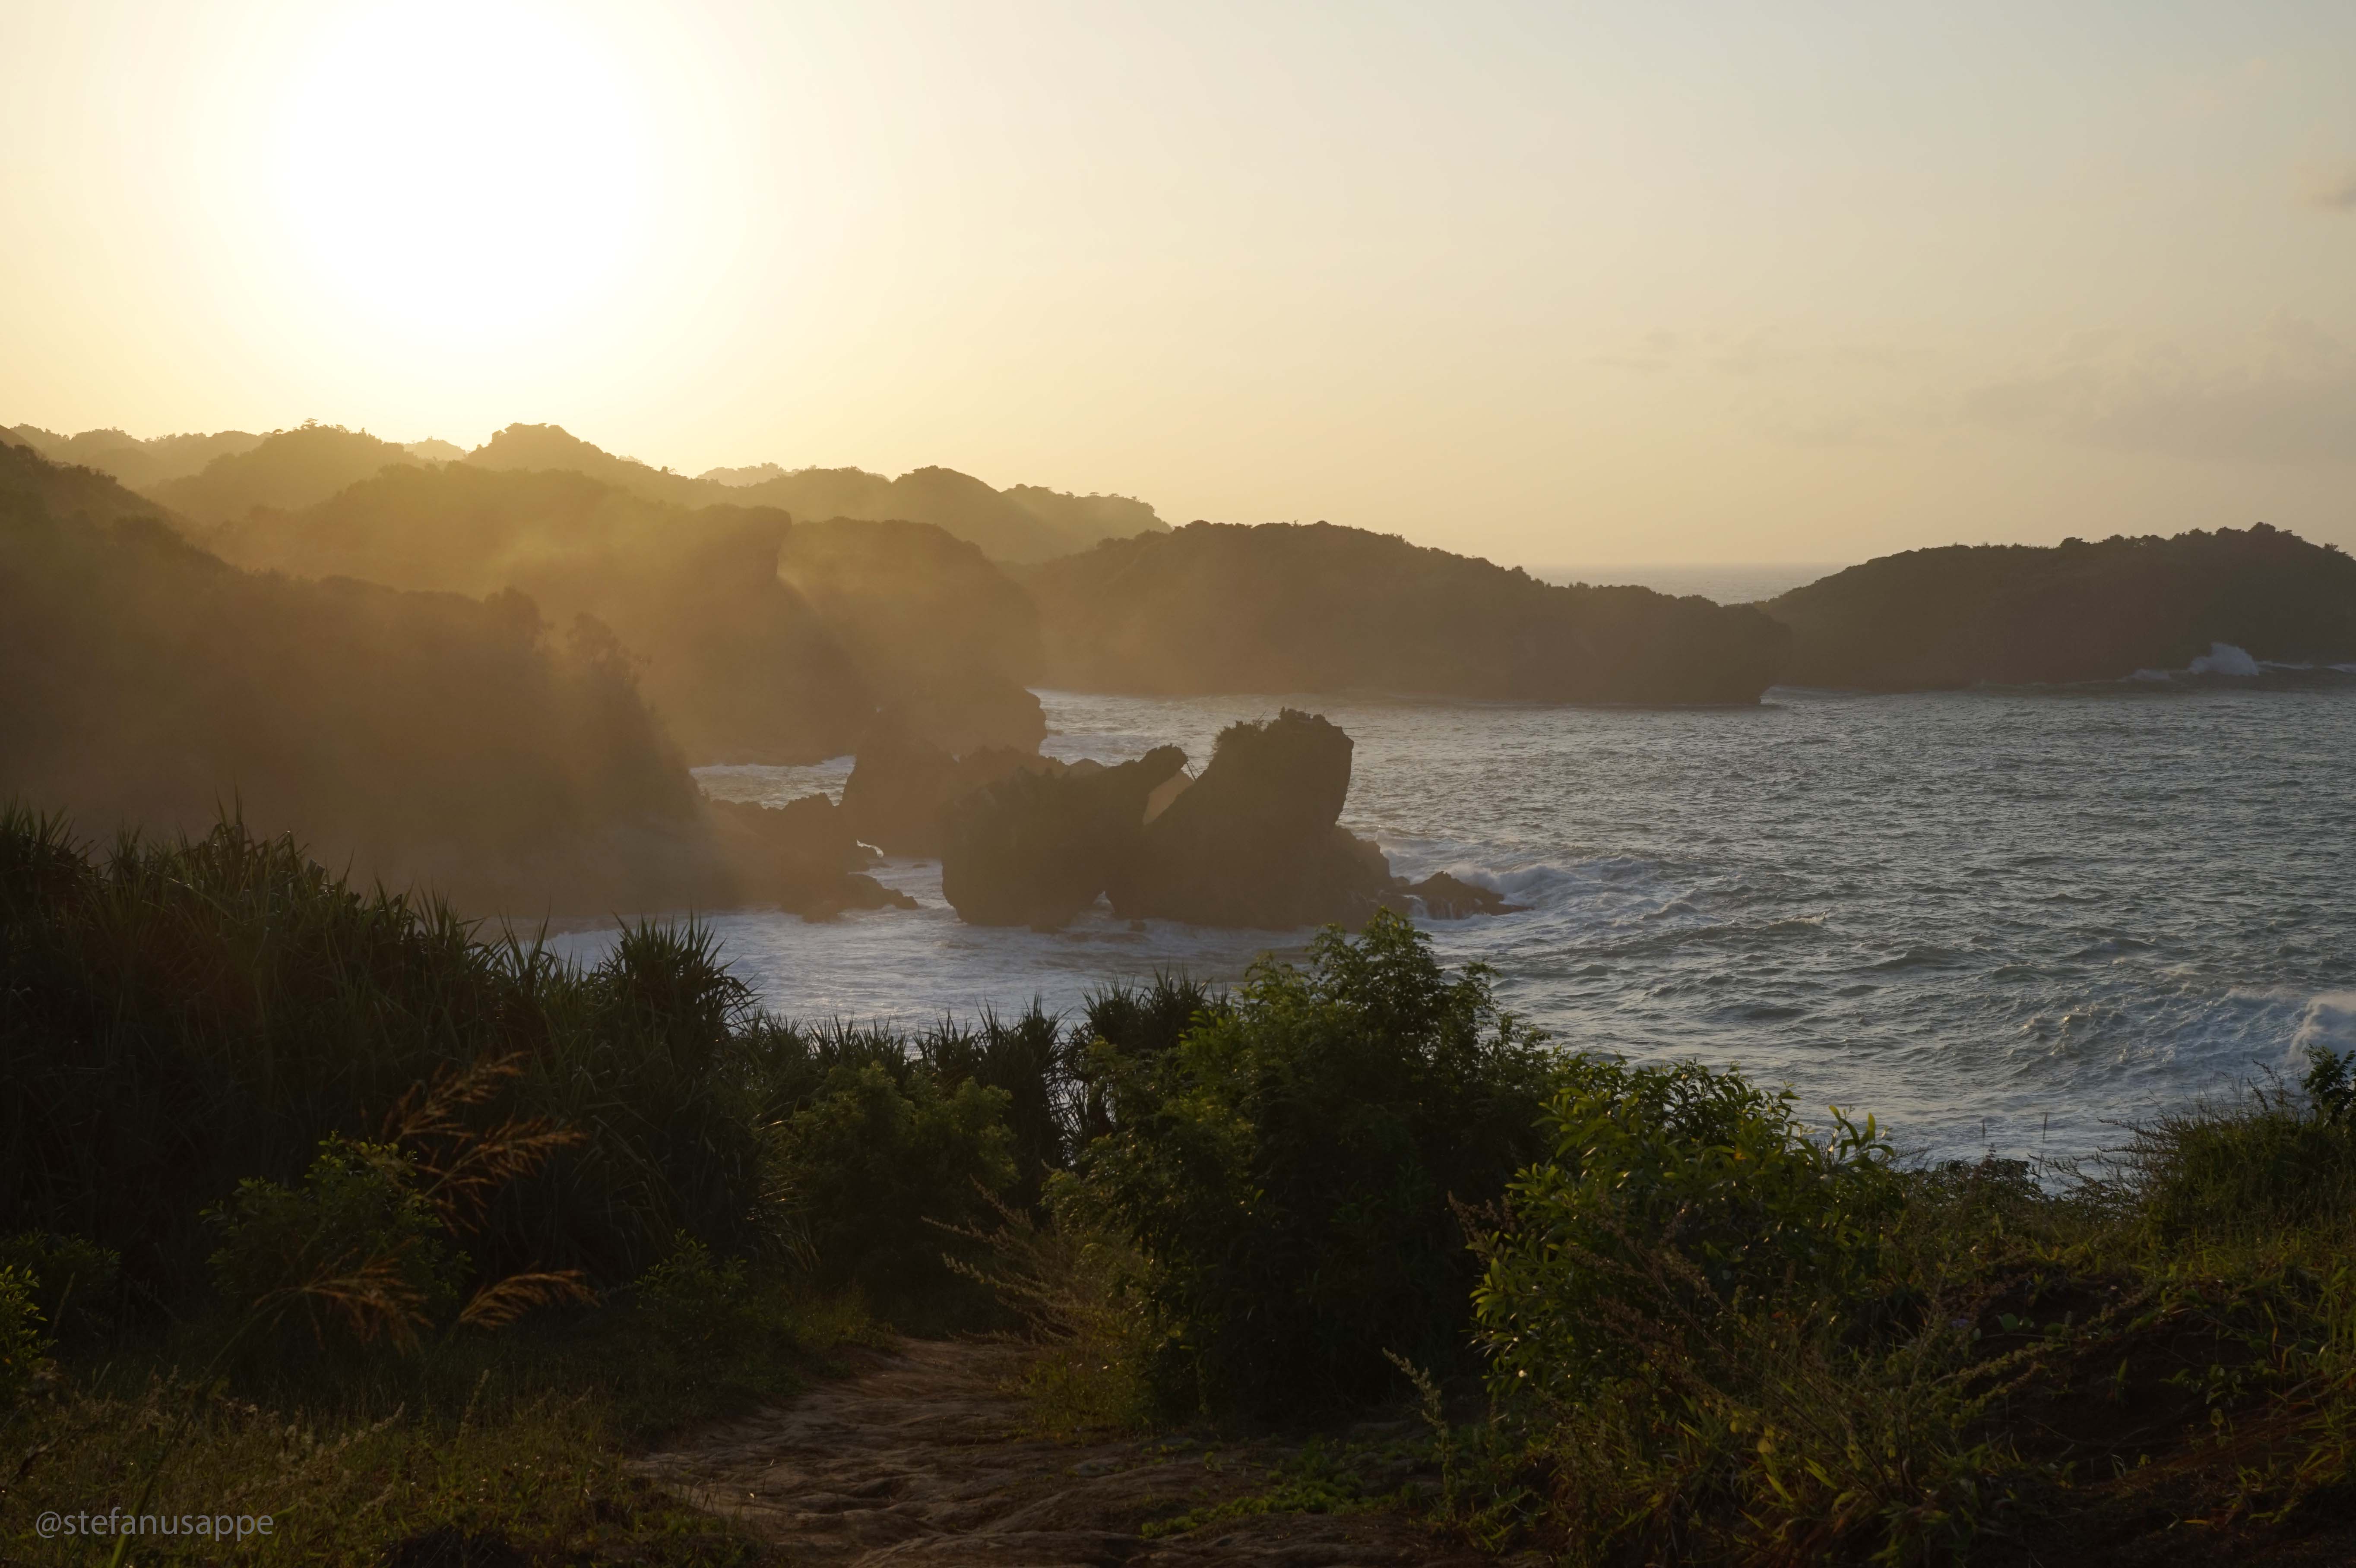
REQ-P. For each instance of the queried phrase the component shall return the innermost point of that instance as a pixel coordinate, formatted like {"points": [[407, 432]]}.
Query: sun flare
{"points": [[464, 168]]}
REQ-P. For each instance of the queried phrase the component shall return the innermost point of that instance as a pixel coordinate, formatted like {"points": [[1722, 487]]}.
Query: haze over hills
{"points": [[765, 640], [285, 469], [417, 736], [1287, 608], [215, 479], [135, 463]]}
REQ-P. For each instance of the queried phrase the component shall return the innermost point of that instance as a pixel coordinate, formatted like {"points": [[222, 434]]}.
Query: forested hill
{"points": [[2007, 614], [1290, 608], [134, 462], [764, 639], [413, 736], [217, 479], [1025, 523]]}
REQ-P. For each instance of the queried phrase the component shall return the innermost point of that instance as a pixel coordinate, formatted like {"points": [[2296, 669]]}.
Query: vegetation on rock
{"points": [[1285, 608], [1968, 614]]}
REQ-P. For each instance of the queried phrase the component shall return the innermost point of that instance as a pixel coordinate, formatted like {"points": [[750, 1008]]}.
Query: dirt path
{"points": [[920, 1456]]}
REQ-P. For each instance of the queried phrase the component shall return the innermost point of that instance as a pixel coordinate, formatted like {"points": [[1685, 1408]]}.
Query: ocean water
{"points": [[1728, 582], [1995, 920]]}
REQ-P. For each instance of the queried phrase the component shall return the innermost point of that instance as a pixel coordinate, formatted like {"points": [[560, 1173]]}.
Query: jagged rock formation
{"points": [[1222, 608], [901, 787], [805, 856], [1037, 847], [2007, 614], [1444, 897], [1255, 841]]}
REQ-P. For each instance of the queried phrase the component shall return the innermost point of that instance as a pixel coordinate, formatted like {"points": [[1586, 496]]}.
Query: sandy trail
{"points": [[920, 1456]]}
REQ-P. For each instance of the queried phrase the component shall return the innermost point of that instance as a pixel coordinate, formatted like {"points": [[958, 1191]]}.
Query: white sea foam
{"points": [[2224, 658], [2329, 1023]]}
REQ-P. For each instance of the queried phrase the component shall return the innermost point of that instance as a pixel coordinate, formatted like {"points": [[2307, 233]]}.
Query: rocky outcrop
{"points": [[1255, 841], [901, 785], [1036, 847], [804, 855], [1444, 897]]}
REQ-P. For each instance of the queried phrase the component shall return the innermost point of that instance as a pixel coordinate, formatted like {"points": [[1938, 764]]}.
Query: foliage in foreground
{"points": [[1286, 1172], [1716, 1340], [478, 1221]]}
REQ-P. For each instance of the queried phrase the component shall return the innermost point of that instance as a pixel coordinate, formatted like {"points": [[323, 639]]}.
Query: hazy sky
{"points": [[1569, 282]]}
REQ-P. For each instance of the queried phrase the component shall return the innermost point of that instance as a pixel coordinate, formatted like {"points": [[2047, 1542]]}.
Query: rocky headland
{"points": [[1280, 608], [2013, 615]]}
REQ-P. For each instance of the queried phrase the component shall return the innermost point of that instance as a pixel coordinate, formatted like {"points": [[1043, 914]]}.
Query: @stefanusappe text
{"points": [[115, 1521]]}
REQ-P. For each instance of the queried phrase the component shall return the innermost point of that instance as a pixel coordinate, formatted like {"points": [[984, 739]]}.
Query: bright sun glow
{"points": [[478, 168]]}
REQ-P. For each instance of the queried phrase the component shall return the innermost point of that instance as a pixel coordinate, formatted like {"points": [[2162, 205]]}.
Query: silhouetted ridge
{"points": [[763, 641], [286, 468], [1281, 607], [1022, 524], [1966, 615], [134, 461], [419, 736]]}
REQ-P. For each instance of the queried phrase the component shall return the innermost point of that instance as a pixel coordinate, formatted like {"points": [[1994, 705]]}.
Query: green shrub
{"points": [[1687, 1311], [356, 1250], [1286, 1170], [2330, 1083], [875, 1164], [74, 1278], [703, 1308], [1673, 1195], [24, 1351]]}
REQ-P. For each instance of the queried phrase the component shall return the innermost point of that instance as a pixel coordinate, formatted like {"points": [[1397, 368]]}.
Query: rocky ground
{"points": [[923, 1455]]}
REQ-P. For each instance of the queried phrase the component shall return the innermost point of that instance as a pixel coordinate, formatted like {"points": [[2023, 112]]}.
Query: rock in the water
{"points": [[1450, 898], [804, 855], [1254, 841], [1035, 848], [900, 786], [894, 793]]}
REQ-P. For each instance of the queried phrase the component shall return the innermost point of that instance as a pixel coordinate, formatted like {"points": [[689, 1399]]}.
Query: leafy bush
{"points": [[356, 1248], [1286, 1170], [23, 1350], [1674, 1194], [1678, 1304], [875, 1164], [704, 1307], [73, 1279], [2330, 1083]]}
